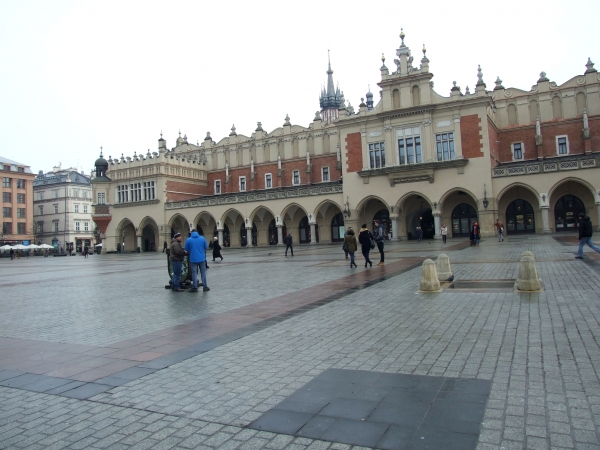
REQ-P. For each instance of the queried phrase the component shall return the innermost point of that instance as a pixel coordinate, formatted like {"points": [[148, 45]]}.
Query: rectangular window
{"points": [[409, 146], [445, 146], [7, 228], [296, 177], [40, 227], [135, 190], [20, 198], [86, 226], [21, 228], [21, 169], [6, 212], [325, 174], [20, 184], [41, 210], [242, 184], [377, 155], [21, 213], [562, 145], [6, 167], [76, 208], [85, 209], [77, 226], [6, 182], [56, 226], [40, 195], [268, 181], [54, 193], [517, 148], [217, 186], [75, 193], [55, 209], [6, 197], [101, 198], [123, 193], [149, 192]]}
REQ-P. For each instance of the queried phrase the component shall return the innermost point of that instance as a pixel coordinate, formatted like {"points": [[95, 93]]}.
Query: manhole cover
{"points": [[483, 284]]}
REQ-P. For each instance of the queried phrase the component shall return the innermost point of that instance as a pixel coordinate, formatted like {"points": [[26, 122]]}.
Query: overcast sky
{"points": [[80, 74]]}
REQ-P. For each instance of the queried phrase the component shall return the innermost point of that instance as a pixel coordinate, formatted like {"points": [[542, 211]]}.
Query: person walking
{"points": [[500, 230], [288, 244], [444, 232], [196, 246], [176, 255], [476, 234], [12, 253], [351, 245], [345, 247], [585, 235], [419, 233], [164, 246], [365, 237], [379, 240], [85, 251], [216, 249]]}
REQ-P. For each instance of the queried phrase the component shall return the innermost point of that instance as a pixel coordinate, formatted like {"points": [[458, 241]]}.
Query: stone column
{"points": [[249, 237], [313, 236], [545, 220], [139, 243], [437, 225], [279, 235], [394, 219]]}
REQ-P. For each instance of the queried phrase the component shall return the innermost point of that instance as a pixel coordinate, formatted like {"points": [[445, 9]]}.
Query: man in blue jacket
{"points": [[196, 246]]}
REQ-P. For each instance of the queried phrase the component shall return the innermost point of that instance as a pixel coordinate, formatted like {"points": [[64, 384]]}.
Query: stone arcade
{"points": [[528, 157]]}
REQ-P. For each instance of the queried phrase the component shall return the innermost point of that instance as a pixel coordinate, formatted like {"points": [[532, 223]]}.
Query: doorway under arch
{"points": [[304, 229], [566, 210], [273, 237], [338, 229], [520, 217], [383, 216], [463, 217]]}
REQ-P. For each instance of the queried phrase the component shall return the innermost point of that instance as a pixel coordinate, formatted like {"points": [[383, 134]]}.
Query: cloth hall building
{"points": [[415, 158]]}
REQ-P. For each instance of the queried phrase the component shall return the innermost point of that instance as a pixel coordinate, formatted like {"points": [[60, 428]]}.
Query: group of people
{"points": [[368, 241]]}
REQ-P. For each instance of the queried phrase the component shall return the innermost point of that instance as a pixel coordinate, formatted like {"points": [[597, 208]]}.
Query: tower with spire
{"points": [[331, 98]]}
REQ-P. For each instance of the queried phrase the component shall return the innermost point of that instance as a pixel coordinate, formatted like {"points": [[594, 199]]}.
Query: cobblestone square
{"points": [[96, 353]]}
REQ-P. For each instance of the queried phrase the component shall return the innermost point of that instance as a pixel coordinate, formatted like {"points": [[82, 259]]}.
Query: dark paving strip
{"points": [[99, 369], [383, 410]]}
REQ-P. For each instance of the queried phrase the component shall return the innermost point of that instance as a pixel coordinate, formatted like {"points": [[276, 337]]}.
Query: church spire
{"points": [[331, 98]]}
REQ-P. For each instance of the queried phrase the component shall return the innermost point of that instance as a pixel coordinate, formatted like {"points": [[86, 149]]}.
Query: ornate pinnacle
{"points": [[590, 66], [402, 35], [498, 83], [479, 76]]}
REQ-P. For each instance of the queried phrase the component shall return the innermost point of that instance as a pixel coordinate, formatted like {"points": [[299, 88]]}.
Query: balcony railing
{"points": [[558, 164]]}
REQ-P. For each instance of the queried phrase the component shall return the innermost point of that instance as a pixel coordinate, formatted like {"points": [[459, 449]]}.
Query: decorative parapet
{"points": [[258, 196], [553, 165], [142, 203]]}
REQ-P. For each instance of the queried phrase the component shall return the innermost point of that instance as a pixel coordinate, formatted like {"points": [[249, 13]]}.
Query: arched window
{"points": [[580, 100], [556, 107], [254, 235], [520, 217], [396, 99], [534, 110], [512, 114], [243, 235], [337, 228], [463, 217], [226, 237], [416, 96], [566, 210]]}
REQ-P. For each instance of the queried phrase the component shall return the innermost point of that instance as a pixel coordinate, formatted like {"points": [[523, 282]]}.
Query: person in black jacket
{"points": [[217, 249], [585, 235], [288, 244], [364, 237]]}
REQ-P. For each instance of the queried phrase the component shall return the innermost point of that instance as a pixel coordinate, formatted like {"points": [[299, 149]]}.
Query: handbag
{"points": [[345, 247], [373, 245]]}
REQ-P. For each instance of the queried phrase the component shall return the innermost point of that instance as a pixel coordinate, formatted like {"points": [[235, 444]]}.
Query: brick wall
{"points": [[526, 135], [354, 153], [178, 191], [470, 135], [317, 163]]}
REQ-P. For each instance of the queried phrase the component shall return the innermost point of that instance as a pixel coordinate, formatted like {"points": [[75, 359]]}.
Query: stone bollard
{"points": [[429, 278], [442, 264], [528, 277]]}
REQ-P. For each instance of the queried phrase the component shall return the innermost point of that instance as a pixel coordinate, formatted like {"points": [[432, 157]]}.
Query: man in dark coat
{"points": [[585, 235], [288, 244], [177, 254]]}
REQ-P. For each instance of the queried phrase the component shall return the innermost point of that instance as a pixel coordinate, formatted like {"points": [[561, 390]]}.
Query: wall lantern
{"points": [[485, 200], [347, 212]]}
